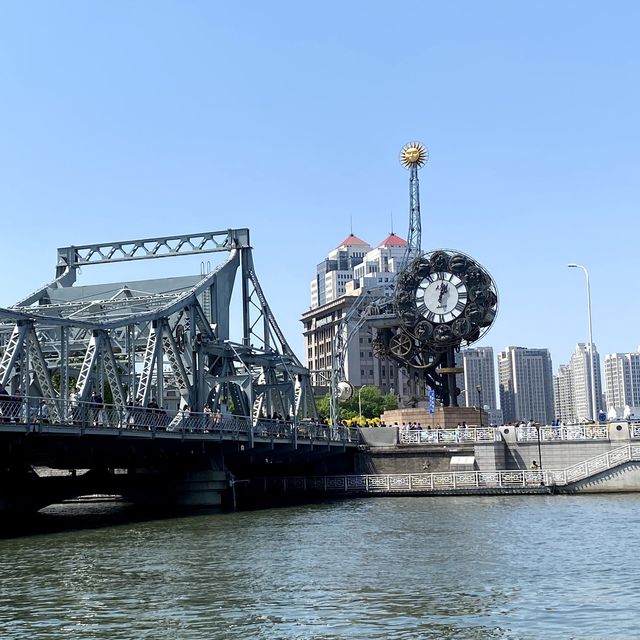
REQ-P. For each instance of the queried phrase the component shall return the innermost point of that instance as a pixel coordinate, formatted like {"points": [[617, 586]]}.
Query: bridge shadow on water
{"points": [[96, 514], [80, 515]]}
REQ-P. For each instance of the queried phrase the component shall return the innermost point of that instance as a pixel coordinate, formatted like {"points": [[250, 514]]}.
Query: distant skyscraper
{"points": [[581, 382], [349, 270], [336, 270], [479, 370], [526, 384], [564, 405], [572, 387], [622, 382]]}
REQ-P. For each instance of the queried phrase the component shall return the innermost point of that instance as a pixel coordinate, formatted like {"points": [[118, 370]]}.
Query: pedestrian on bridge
{"points": [[97, 409]]}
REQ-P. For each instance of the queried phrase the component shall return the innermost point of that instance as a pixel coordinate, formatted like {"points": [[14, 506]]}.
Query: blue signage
{"points": [[432, 401]]}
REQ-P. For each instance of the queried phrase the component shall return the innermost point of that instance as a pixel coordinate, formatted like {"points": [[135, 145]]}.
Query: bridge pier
{"points": [[198, 488]]}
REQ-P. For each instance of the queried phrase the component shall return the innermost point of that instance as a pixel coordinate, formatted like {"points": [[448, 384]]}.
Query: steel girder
{"points": [[174, 332]]}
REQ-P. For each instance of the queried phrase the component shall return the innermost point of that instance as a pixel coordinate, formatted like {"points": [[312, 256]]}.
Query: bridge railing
{"points": [[28, 410], [435, 436], [461, 481], [569, 432]]}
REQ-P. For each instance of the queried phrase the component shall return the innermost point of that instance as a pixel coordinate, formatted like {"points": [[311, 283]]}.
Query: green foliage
{"points": [[372, 401], [324, 407]]}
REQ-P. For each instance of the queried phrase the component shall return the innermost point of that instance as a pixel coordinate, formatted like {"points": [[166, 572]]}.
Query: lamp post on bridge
{"points": [[479, 390], [537, 427], [594, 408], [360, 401]]}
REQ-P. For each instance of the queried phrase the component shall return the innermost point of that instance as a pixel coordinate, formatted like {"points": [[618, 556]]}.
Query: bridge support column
{"points": [[202, 484], [200, 488]]}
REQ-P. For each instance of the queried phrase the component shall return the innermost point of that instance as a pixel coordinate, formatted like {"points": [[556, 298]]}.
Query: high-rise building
{"points": [[526, 384], [580, 366], [333, 274], [563, 402], [351, 269], [477, 383], [479, 371], [622, 383]]}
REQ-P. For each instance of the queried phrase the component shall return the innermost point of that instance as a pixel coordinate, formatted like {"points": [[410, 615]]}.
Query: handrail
{"points": [[462, 434], [465, 480], [567, 432], [82, 415]]}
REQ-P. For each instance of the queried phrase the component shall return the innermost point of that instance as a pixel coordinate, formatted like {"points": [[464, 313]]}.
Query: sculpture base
{"points": [[443, 418]]}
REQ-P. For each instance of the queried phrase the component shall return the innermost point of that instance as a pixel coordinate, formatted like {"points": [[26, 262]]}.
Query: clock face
{"points": [[441, 297]]}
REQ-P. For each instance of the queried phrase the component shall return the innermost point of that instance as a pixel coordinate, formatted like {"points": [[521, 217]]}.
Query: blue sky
{"points": [[125, 120]]}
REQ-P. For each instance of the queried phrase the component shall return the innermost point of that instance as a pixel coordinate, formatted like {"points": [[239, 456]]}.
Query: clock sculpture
{"points": [[443, 300]]}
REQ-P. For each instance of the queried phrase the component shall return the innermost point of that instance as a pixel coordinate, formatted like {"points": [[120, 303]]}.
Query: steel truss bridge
{"points": [[162, 390], [130, 342]]}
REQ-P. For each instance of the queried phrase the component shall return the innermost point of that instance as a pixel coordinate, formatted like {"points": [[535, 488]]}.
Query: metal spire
{"points": [[413, 156]]}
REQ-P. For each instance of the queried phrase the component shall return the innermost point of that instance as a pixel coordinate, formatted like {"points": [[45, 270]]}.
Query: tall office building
{"points": [[563, 403], [349, 270], [479, 371], [622, 384], [526, 384], [580, 366], [336, 270], [477, 383]]}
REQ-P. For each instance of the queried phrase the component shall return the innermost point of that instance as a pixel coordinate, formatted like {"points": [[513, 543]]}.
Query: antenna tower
{"points": [[413, 156]]}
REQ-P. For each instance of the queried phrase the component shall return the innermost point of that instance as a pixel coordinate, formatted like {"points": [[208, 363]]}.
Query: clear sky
{"points": [[123, 120]]}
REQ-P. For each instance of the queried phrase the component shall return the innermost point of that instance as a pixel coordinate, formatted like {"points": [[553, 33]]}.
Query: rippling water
{"points": [[386, 568]]}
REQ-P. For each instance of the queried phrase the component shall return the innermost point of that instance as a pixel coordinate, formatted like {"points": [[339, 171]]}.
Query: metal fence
{"points": [[523, 434], [460, 480], [570, 432], [101, 416], [432, 436]]}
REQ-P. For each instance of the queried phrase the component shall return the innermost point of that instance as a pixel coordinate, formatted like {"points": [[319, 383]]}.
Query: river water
{"points": [[378, 568]]}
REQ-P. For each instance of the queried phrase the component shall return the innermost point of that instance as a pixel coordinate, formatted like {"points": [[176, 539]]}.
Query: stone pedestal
{"points": [[444, 417]]}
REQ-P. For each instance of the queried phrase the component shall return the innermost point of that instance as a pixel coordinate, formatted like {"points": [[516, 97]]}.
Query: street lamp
{"points": [[594, 409], [537, 426], [360, 401], [479, 390]]}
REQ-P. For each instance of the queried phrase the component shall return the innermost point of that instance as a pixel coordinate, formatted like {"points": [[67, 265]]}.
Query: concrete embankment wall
{"points": [[384, 455], [626, 477]]}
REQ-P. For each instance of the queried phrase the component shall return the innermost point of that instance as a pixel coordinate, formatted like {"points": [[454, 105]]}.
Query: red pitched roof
{"points": [[392, 240], [353, 241]]}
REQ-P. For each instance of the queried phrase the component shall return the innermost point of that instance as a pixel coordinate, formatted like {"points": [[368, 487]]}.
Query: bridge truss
{"points": [[135, 341]]}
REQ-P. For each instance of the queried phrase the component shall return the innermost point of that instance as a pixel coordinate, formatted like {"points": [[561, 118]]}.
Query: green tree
{"points": [[372, 401], [324, 406]]}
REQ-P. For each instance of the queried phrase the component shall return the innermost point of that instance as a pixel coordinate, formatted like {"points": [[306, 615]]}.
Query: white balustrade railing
{"points": [[434, 436], [523, 434], [466, 480], [570, 432]]}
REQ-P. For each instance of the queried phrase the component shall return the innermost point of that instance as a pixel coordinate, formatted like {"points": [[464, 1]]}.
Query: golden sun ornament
{"points": [[413, 154]]}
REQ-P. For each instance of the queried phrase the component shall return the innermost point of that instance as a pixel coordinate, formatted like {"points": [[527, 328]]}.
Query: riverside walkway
{"points": [[459, 482]]}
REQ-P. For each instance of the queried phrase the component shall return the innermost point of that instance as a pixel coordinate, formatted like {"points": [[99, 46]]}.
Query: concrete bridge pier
{"points": [[204, 483]]}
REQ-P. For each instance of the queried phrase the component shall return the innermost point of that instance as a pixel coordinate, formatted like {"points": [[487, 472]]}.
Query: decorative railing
{"points": [[570, 432], [83, 416], [461, 480], [523, 434], [436, 436]]}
